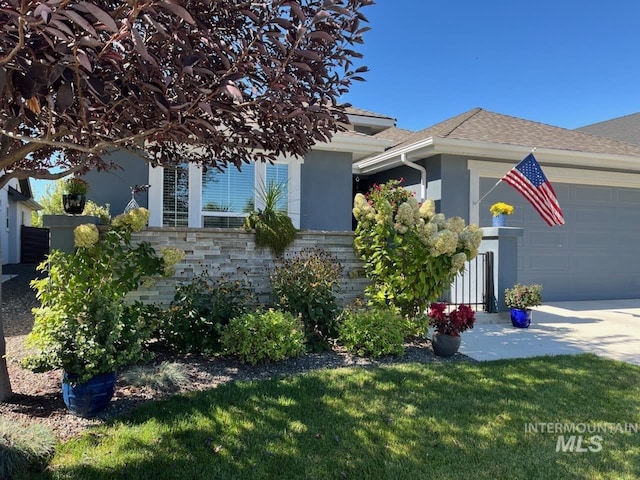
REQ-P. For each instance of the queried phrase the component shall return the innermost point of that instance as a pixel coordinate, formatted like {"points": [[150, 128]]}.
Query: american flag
{"points": [[528, 179]]}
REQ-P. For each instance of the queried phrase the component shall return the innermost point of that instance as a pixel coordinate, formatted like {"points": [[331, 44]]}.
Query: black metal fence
{"points": [[475, 286]]}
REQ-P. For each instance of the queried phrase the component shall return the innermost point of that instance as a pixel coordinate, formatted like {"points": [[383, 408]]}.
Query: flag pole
{"points": [[494, 187]]}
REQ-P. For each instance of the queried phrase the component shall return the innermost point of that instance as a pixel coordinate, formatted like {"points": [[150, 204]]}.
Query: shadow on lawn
{"points": [[410, 421]]}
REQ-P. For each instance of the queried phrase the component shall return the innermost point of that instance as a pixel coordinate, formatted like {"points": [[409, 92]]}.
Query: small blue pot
{"points": [[500, 220], [89, 398], [521, 318]]}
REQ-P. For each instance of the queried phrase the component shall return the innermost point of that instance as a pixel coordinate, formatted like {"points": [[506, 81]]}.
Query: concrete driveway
{"points": [[609, 328]]}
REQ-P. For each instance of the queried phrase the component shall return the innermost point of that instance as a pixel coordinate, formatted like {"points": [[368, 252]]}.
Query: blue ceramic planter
{"points": [[89, 398], [521, 318], [500, 220]]}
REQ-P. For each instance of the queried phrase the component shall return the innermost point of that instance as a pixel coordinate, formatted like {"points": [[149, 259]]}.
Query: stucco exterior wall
{"points": [[114, 187], [232, 253], [326, 191]]}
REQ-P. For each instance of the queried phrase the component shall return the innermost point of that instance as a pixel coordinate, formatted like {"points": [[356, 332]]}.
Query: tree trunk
{"points": [[5, 383]]}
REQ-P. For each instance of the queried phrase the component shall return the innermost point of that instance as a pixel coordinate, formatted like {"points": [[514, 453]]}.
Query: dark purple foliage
{"points": [[243, 80]]}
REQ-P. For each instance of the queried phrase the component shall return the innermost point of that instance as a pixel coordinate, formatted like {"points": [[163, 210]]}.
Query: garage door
{"points": [[595, 255]]}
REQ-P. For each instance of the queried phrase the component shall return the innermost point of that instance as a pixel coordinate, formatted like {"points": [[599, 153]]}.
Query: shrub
{"points": [[82, 325], [305, 285], [200, 309], [373, 332], [24, 447], [523, 296], [271, 335], [410, 252]]}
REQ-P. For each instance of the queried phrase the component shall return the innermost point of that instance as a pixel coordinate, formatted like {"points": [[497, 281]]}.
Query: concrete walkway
{"points": [[609, 328]]}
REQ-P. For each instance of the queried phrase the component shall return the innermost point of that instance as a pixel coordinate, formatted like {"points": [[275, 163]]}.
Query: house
{"points": [[596, 179], [16, 205], [455, 162], [319, 191]]}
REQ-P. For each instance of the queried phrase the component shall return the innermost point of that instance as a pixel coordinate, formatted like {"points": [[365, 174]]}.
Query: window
{"points": [[175, 196], [227, 196], [278, 174], [193, 196]]}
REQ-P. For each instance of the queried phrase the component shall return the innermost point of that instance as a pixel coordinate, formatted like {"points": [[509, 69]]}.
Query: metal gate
{"points": [[475, 285]]}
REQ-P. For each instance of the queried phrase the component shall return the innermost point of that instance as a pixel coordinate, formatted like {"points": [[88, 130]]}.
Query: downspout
{"points": [[423, 175]]}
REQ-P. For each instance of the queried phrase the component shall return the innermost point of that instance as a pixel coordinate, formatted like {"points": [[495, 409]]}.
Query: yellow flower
{"points": [[86, 235], [501, 208]]}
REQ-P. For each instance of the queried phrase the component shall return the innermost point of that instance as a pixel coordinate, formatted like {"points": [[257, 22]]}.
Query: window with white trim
{"points": [[198, 197], [175, 196]]}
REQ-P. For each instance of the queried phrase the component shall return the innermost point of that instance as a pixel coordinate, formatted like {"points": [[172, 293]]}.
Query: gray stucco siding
{"points": [[114, 187], [326, 191]]}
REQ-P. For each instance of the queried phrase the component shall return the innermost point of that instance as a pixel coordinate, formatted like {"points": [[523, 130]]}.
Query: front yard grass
{"points": [[449, 421]]}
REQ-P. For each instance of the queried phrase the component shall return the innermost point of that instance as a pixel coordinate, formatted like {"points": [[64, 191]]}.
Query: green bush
{"points": [[200, 309], [411, 253], [82, 324], [373, 332], [24, 447], [305, 285], [259, 336]]}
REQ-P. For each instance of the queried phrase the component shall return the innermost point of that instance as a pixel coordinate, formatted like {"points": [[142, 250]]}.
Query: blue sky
{"points": [[567, 63]]}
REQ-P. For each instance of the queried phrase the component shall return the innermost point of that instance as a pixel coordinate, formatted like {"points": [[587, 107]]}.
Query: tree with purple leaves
{"points": [[217, 83]]}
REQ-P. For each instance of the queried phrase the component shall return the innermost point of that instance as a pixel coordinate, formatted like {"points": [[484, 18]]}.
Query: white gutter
{"points": [[477, 149], [423, 175]]}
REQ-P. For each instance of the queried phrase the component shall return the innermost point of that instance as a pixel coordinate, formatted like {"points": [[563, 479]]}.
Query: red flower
{"points": [[454, 323]]}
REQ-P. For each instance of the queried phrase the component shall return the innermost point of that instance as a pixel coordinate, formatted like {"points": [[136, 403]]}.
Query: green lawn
{"points": [[448, 421]]}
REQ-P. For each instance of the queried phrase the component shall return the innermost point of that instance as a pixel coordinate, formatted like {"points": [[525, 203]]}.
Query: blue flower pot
{"points": [[89, 398], [500, 220], [521, 318]]}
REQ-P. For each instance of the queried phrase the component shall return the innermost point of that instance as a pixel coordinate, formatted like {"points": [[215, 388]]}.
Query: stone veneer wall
{"points": [[232, 253]]}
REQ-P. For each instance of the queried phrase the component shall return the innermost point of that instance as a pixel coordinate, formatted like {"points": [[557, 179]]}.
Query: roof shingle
{"points": [[484, 126]]}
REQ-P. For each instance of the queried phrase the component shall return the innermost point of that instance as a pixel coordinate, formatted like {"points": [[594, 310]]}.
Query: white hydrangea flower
{"points": [[445, 242], [86, 235], [427, 209]]}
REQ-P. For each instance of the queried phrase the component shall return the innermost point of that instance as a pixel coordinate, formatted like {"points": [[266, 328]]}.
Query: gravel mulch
{"points": [[38, 397]]}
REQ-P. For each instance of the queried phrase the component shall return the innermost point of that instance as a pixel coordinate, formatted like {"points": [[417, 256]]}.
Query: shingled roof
{"points": [[481, 125], [395, 134], [625, 129], [366, 113]]}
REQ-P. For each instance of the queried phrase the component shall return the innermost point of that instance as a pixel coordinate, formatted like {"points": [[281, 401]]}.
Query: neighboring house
{"points": [[16, 205], [597, 180], [625, 129]]}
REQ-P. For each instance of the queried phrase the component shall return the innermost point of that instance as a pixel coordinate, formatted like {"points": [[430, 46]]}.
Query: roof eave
{"points": [[360, 146], [434, 146]]}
